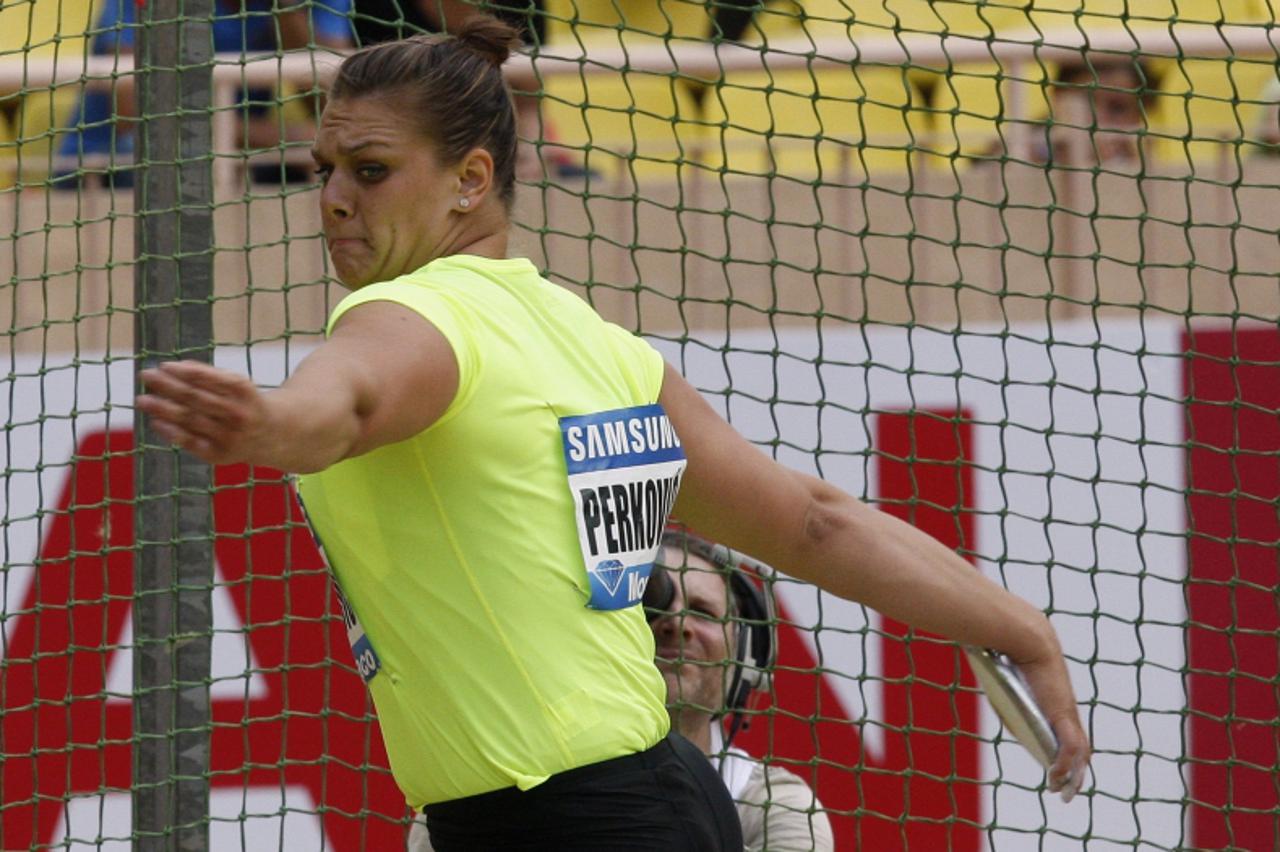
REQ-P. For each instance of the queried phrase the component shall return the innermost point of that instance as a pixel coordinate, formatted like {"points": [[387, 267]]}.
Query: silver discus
{"points": [[1013, 703]]}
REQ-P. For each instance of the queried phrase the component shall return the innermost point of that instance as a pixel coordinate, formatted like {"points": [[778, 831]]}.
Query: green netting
{"points": [[1008, 270]]}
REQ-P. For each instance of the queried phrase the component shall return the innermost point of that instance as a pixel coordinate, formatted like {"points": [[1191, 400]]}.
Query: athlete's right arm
{"points": [[733, 493], [384, 374]]}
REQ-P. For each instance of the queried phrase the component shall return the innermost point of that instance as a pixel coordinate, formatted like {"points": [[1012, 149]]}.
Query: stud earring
{"points": [[464, 202]]}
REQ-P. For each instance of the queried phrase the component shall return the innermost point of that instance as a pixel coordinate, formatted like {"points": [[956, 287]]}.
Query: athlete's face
{"points": [[694, 642], [387, 205]]}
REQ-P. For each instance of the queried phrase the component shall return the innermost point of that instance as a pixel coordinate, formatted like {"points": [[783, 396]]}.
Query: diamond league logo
{"points": [[610, 573]]}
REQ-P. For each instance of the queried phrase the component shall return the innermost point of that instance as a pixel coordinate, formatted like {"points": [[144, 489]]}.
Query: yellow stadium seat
{"points": [[1209, 106], [618, 120], [39, 31], [571, 20], [892, 110], [635, 120], [800, 121], [8, 152], [42, 27]]}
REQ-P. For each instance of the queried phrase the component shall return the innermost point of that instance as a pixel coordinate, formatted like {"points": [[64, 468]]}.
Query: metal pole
{"points": [[173, 574]]}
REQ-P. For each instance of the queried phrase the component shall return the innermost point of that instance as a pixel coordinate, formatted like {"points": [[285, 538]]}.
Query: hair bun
{"points": [[489, 37]]}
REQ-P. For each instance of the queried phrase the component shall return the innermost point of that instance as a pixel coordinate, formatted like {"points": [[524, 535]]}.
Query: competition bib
{"points": [[367, 662], [624, 472]]}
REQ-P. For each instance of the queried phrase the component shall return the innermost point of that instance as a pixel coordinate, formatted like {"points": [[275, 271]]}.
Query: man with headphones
{"points": [[713, 628]]}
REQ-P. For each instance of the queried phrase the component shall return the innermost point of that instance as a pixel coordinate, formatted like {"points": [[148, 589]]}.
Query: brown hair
{"points": [[452, 87]]}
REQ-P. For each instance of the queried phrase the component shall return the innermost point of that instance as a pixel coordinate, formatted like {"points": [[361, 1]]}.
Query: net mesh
{"points": [[1005, 270]]}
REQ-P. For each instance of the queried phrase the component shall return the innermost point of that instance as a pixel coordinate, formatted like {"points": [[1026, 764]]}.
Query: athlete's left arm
{"points": [[733, 493], [384, 374]]}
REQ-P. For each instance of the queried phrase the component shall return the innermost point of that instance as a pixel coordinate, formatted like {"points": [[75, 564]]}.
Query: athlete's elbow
{"points": [[830, 521], [835, 538]]}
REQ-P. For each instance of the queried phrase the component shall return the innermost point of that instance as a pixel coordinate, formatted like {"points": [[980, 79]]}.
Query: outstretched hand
{"points": [[214, 414]]}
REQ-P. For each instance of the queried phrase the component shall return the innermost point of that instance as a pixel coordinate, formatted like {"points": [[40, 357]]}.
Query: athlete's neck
{"points": [[492, 246]]}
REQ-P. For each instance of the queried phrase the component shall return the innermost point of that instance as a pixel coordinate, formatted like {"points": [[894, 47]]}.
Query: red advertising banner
{"points": [[1233, 626], [921, 789], [62, 735], [887, 726]]}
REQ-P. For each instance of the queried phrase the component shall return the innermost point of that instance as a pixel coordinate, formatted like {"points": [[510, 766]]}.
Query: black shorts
{"points": [[666, 799]]}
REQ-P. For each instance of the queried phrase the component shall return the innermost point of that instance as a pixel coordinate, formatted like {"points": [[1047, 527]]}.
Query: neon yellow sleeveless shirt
{"points": [[463, 553]]}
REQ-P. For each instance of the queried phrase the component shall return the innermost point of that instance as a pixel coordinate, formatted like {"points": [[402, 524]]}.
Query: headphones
{"points": [[753, 625]]}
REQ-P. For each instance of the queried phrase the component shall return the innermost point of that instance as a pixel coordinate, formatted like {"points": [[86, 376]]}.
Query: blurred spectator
{"points": [[1267, 131], [99, 135], [1099, 108], [730, 20], [376, 21], [387, 20]]}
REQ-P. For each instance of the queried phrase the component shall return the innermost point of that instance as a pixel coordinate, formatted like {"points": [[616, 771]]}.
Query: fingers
{"points": [[173, 423], [1068, 782], [198, 445], [188, 385], [191, 386], [186, 428], [199, 408], [1051, 686], [1067, 775]]}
